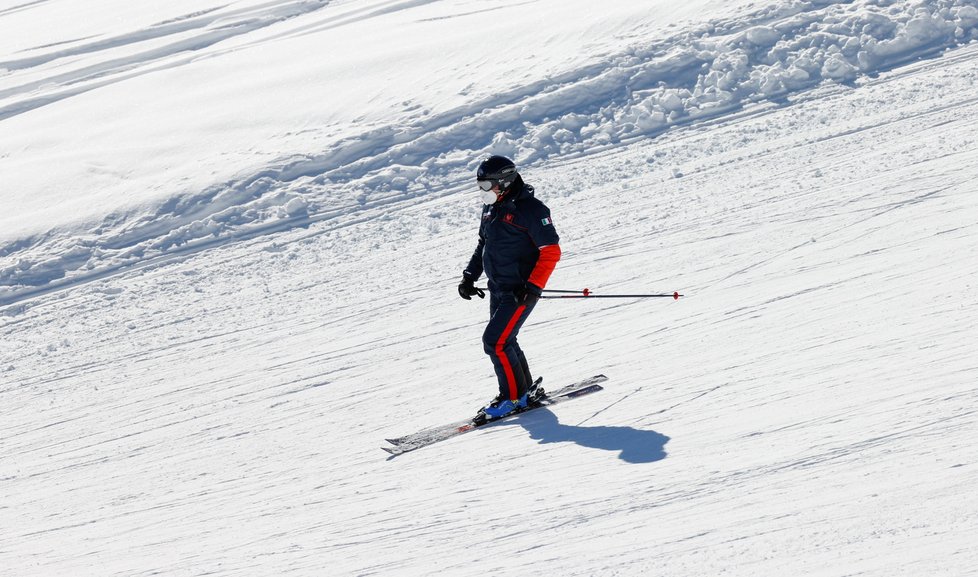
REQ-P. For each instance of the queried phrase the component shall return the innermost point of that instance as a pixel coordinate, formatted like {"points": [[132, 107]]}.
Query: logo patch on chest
{"points": [[508, 218]]}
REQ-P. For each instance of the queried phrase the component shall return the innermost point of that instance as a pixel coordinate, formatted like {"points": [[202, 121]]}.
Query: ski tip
{"points": [[592, 388]]}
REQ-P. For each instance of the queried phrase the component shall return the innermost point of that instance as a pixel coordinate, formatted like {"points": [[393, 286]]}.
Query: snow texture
{"points": [[231, 234], [638, 88]]}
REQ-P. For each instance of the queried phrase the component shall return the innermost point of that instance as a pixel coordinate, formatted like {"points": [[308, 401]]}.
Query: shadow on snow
{"points": [[634, 445]]}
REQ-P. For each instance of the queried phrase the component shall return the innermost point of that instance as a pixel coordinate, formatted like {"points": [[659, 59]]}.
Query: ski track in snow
{"points": [[711, 71], [807, 409], [181, 37]]}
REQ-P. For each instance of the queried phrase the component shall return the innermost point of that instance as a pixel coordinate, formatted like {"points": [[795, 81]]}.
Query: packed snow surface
{"points": [[231, 234]]}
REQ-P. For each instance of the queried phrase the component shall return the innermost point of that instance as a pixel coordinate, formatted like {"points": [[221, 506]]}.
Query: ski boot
{"points": [[500, 407]]}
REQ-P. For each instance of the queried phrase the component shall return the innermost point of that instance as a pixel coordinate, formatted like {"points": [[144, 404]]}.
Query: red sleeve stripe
{"points": [[549, 255]]}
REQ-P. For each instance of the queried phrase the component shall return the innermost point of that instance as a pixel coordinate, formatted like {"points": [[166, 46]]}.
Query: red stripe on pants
{"points": [[507, 368]]}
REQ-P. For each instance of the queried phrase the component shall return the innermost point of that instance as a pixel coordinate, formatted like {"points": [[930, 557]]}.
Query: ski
{"points": [[435, 434], [536, 393]]}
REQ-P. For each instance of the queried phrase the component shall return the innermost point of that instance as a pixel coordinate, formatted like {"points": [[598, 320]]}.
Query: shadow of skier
{"points": [[636, 446]]}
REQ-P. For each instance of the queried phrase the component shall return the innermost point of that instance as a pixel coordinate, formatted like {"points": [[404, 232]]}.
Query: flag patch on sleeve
{"points": [[547, 221]]}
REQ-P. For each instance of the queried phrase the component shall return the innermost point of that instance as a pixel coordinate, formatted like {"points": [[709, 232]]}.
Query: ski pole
{"points": [[587, 294]]}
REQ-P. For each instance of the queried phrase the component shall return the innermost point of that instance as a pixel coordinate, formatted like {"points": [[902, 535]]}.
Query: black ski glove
{"points": [[467, 288], [528, 294]]}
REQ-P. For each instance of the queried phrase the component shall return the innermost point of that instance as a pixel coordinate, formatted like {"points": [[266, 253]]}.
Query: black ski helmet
{"points": [[497, 169]]}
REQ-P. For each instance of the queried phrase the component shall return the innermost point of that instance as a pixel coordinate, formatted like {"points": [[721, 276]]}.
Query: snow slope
{"points": [[232, 233], [119, 147]]}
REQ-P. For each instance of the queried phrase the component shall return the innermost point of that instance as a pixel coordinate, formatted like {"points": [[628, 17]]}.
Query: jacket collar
{"points": [[518, 191]]}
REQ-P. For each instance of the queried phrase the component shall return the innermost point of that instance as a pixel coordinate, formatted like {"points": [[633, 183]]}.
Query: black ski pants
{"points": [[506, 317]]}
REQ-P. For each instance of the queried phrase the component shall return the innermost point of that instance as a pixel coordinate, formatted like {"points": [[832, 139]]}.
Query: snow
{"points": [[231, 237]]}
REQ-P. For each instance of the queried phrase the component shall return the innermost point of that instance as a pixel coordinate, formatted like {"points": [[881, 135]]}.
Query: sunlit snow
{"points": [[231, 234]]}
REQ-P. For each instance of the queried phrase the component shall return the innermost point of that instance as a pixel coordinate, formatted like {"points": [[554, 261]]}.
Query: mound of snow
{"points": [[645, 85]]}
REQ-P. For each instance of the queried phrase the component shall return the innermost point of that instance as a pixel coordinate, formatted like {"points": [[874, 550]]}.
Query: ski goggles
{"points": [[487, 185]]}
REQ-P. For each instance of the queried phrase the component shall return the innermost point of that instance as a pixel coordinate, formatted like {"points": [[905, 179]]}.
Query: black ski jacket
{"points": [[518, 244]]}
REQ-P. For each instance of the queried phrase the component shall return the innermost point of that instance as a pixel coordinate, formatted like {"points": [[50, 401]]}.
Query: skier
{"points": [[518, 250]]}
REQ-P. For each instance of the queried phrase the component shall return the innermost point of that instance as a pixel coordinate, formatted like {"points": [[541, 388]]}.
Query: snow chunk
{"points": [[837, 68], [966, 16], [297, 206], [762, 35]]}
